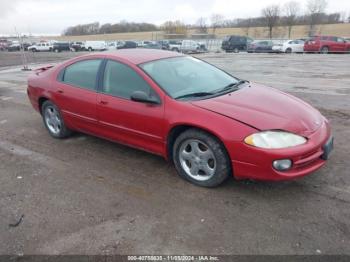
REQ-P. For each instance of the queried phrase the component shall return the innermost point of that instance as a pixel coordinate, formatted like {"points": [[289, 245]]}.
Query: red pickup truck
{"points": [[327, 44]]}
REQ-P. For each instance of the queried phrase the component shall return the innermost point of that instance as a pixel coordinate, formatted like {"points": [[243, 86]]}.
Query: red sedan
{"points": [[210, 124], [327, 44]]}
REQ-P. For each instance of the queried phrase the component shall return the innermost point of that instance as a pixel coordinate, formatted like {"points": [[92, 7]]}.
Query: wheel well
{"points": [[42, 101], [176, 131]]}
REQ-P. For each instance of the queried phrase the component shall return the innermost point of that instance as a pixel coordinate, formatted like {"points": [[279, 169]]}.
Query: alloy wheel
{"points": [[197, 160], [53, 120]]}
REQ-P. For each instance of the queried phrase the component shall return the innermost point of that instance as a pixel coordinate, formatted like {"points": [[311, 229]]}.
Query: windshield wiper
{"points": [[231, 86], [197, 94]]}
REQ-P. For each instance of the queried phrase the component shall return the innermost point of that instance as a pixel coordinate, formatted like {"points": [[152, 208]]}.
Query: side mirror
{"points": [[140, 96]]}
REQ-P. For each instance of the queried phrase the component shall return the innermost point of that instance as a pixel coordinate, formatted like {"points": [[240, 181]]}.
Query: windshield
{"points": [[183, 76]]}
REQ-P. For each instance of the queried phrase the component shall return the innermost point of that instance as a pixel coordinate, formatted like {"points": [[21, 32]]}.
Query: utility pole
{"points": [[23, 54]]}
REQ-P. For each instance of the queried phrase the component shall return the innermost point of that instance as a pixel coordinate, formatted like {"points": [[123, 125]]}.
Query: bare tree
{"points": [[216, 21], [271, 15], [343, 17], [315, 8], [247, 25], [291, 11], [174, 27], [202, 25]]}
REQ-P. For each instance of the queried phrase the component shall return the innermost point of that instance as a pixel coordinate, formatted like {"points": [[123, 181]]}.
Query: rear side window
{"points": [[340, 40], [82, 74], [121, 80]]}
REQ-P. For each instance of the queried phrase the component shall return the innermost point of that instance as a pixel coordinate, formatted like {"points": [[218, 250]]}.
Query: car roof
{"points": [[140, 56]]}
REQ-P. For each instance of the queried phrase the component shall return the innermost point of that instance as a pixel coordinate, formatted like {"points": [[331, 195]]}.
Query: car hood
{"points": [[265, 108]]}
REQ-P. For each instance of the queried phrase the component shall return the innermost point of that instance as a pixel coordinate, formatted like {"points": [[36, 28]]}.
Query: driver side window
{"points": [[120, 80]]}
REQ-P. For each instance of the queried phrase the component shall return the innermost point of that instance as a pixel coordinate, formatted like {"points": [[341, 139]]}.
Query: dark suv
{"points": [[60, 46], [127, 45], [235, 43]]}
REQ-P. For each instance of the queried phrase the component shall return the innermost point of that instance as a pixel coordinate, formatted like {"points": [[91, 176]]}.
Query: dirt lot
{"points": [[85, 195]]}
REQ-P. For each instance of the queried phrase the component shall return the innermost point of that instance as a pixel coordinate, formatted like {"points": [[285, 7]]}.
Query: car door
{"points": [[133, 123], [40, 47], [75, 94], [298, 46], [341, 44], [262, 46]]}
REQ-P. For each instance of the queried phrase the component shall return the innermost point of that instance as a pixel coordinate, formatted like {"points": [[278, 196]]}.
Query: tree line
{"points": [[288, 15], [122, 27]]}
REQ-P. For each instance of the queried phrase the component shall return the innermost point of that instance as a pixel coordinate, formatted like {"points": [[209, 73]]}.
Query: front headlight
{"points": [[274, 139]]}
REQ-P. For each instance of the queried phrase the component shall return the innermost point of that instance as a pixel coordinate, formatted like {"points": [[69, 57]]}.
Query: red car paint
{"points": [[332, 43], [231, 118]]}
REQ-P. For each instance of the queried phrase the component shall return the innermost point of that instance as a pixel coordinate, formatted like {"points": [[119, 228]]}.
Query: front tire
{"points": [[201, 158], [53, 120]]}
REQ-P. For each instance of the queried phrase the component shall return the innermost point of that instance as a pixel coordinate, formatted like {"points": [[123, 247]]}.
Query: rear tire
{"points": [[53, 120], [288, 51], [324, 50], [201, 158], [90, 49], [235, 50]]}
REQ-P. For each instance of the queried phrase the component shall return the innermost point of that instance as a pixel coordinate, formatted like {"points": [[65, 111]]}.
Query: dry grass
{"points": [[254, 32]]}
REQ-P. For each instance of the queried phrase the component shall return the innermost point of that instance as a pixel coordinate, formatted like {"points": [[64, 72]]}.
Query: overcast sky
{"points": [[52, 16]]}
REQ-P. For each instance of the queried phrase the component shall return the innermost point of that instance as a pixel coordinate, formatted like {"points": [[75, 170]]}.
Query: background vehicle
{"points": [[61, 46], [77, 46], [164, 44], [264, 46], [40, 47], [127, 45], [14, 47], [235, 43], [290, 46], [17, 47], [175, 45], [114, 45], [189, 46], [327, 44], [143, 43], [4, 43], [153, 45], [95, 45]]}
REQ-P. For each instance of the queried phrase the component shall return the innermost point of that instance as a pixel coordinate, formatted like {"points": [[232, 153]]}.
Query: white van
{"points": [[190, 46], [95, 45]]}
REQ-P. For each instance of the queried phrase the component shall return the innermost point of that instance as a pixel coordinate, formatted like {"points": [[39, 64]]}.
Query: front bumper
{"points": [[256, 163]]}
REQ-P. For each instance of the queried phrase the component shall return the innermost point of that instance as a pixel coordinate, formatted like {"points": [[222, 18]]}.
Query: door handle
{"points": [[60, 91]]}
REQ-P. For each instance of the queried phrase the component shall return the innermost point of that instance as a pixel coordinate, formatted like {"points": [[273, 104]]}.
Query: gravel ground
{"points": [[84, 195]]}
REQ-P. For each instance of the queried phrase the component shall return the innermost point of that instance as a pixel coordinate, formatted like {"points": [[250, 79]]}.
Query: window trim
{"points": [[101, 80], [60, 75]]}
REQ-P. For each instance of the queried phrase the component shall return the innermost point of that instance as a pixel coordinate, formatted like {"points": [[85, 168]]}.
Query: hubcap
{"points": [[197, 160], [53, 120]]}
